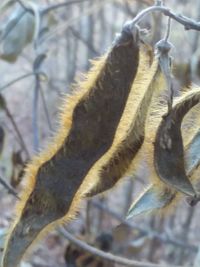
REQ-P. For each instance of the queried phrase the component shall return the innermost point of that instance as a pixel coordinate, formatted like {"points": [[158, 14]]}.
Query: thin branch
{"points": [[83, 40], [21, 140], [149, 232], [188, 23], [21, 78], [22, 4], [70, 22], [108, 256], [45, 108], [36, 67], [59, 5], [9, 188], [168, 30], [35, 114]]}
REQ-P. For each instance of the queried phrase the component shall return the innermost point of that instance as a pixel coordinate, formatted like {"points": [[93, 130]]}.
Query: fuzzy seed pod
{"points": [[89, 120], [133, 121]]}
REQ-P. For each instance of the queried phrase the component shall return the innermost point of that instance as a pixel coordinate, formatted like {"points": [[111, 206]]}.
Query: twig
{"points": [[22, 4], [168, 29], [74, 19], [108, 256], [23, 145], [56, 6], [21, 78], [84, 41], [45, 108], [153, 234], [36, 67], [35, 114], [188, 23], [8, 187]]}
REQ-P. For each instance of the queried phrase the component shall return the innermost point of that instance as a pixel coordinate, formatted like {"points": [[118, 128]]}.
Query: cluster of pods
{"points": [[112, 121]]}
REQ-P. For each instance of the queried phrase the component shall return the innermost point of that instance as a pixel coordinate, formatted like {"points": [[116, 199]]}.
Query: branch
{"points": [[9, 188], [153, 234], [56, 6], [45, 109], [23, 5], [36, 67], [188, 23], [21, 140], [84, 41], [21, 78], [108, 256]]}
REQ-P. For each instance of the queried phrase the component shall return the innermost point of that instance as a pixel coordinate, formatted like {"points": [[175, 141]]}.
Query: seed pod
{"points": [[157, 195], [89, 120], [133, 123], [168, 146]]}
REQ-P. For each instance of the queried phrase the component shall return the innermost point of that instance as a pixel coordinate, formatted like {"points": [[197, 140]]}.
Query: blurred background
{"points": [[32, 85]]}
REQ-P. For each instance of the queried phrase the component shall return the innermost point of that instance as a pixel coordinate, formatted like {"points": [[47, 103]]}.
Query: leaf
{"points": [[6, 4], [16, 33], [152, 198], [192, 157], [168, 147], [21, 28]]}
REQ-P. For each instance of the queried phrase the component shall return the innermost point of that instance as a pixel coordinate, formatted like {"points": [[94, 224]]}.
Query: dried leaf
{"points": [[16, 33], [20, 29], [192, 157], [152, 198], [157, 192], [168, 147]]}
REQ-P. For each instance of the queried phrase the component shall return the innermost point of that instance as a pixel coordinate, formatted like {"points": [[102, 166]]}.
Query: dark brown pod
{"points": [[88, 125]]}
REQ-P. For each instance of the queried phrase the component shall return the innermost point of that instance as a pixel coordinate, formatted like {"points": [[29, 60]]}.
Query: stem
{"points": [[45, 108], [147, 11], [188, 23], [146, 231], [35, 115], [168, 29], [9, 188], [20, 78], [108, 256], [56, 6], [23, 145]]}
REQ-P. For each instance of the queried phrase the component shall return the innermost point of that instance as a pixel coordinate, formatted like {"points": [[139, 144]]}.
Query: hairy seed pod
{"points": [[89, 120], [133, 119], [168, 147]]}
